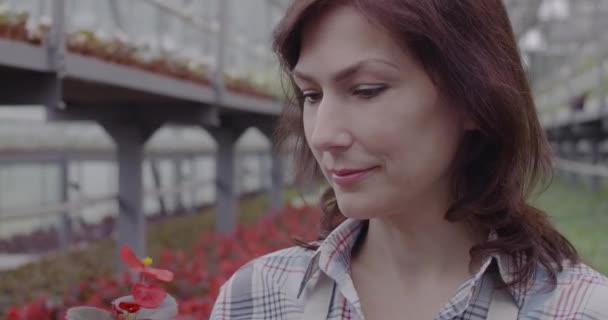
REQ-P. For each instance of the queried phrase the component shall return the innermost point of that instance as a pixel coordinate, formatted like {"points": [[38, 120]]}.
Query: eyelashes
{"points": [[365, 92], [369, 91], [310, 98]]}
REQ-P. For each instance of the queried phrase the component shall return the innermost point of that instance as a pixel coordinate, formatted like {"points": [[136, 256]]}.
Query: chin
{"points": [[355, 207]]}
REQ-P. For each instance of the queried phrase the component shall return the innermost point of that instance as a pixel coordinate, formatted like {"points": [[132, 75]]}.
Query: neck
{"points": [[418, 243]]}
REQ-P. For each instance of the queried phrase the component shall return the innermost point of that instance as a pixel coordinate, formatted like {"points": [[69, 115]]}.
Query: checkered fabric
{"points": [[274, 287]]}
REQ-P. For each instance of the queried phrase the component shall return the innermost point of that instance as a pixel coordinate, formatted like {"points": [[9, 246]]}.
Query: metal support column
{"points": [[595, 159], [65, 222], [131, 223], [602, 86], [178, 180], [222, 39], [573, 155], [262, 174], [562, 147], [226, 195], [277, 184], [56, 52], [277, 189], [158, 184], [194, 192]]}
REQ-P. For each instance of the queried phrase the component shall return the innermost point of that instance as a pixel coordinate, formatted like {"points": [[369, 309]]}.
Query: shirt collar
{"points": [[334, 253]]}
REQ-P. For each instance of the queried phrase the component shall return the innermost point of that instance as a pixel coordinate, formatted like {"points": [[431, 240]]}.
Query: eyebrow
{"points": [[347, 72]]}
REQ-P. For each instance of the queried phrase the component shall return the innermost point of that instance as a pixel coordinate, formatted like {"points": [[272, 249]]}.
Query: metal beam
{"points": [[224, 24], [62, 80], [24, 213], [192, 161], [130, 139], [56, 51], [97, 71], [230, 100], [183, 114], [23, 56], [157, 178], [65, 220], [116, 14], [277, 186], [595, 160], [277, 189], [178, 178], [226, 194], [24, 87]]}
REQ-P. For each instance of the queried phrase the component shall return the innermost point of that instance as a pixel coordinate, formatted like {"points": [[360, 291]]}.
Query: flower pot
{"points": [[88, 313]]}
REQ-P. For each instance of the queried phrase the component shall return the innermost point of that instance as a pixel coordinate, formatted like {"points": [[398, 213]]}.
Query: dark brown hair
{"points": [[469, 50]]}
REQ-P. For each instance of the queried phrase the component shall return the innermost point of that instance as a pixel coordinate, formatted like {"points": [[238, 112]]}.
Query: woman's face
{"points": [[375, 122]]}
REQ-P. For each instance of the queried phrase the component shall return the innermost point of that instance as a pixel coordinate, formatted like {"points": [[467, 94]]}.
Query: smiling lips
{"points": [[348, 177]]}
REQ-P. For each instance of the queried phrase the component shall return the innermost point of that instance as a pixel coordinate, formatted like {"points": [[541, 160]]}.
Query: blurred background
{"points": [[149, 123]]}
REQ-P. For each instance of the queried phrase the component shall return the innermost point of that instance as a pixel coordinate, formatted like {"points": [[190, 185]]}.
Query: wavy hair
{"points": [[469, 50]]}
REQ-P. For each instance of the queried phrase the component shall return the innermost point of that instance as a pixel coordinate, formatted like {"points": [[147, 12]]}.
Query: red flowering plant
{"points": [[148, 300]]}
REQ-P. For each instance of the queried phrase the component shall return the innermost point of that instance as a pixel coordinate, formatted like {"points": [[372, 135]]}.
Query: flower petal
{"points": [[129, 307], [159, 274], [148, 296], [167, 310], [128, 256]]}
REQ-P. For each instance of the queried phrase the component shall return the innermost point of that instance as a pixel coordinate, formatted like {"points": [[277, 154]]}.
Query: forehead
{"points": [[342, 36]]}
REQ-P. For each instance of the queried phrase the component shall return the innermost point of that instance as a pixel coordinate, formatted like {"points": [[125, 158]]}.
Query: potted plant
{"points": [[147, 301]]}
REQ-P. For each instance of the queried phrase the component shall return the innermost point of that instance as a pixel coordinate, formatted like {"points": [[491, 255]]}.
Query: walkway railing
{"points": [[186, 193]]}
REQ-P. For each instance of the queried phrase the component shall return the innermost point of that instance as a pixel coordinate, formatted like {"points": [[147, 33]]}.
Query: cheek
{"points": [[434, 144], [308, 122], [419, 139]]}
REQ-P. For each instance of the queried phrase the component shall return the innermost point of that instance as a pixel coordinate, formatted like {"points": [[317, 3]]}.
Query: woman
{"points": [[419, 115]]}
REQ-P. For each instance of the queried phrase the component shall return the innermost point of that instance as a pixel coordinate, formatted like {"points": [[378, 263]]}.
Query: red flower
{"points": [[130, 307], [13, 313], [128, 256], [147, 295]]}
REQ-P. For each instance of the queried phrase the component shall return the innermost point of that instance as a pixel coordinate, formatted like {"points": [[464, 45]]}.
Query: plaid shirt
{"points": [[274, 287]]}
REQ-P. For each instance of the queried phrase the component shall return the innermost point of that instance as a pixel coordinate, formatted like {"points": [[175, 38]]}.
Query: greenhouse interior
{"points": [[150, 123]]}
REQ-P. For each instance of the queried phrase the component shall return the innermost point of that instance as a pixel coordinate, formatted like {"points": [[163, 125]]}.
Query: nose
{"points": [[331, 129]]}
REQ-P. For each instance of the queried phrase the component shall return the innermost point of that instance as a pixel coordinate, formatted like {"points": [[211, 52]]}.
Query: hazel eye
{"points": [[369, 91]]}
